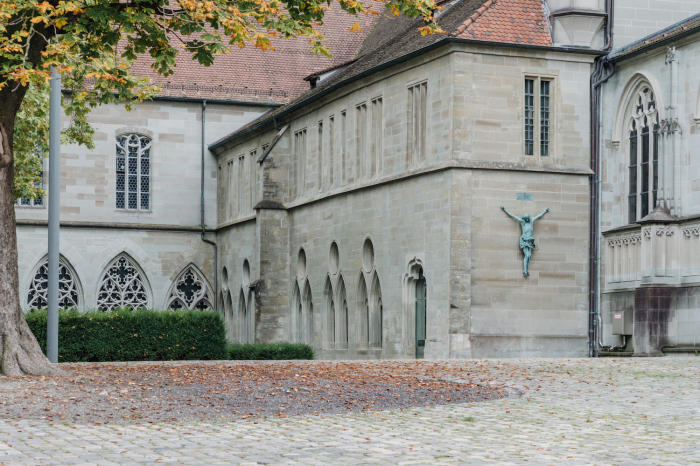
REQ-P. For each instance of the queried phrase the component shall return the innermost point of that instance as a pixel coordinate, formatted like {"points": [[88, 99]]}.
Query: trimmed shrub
{"points": [[270, 351], [142, 335]]}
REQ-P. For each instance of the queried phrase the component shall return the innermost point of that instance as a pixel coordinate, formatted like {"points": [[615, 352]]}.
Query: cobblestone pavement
{"points": [[561, 411]]}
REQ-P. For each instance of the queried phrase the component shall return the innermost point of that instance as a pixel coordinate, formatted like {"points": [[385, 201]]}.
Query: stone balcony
{"points": [[663, 254]]}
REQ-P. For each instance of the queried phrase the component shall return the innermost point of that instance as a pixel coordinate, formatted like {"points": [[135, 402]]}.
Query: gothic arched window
{"points": [[190, 291], [643, 156], [133, 172], [68, 291], [122, 286]]}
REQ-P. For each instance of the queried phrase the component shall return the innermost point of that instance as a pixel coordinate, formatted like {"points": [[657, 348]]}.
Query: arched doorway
{"points": [[421, 299]]}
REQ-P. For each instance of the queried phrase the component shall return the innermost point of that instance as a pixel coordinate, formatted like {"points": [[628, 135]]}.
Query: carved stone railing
{"points": [[623, 258], [665, 254]]}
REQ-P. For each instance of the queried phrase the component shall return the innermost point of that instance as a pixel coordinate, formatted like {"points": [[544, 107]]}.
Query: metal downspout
{"points": [[204, 148]]}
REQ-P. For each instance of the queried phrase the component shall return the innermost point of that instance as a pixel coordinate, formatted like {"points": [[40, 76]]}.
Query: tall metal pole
{"points": [[54, 213]]}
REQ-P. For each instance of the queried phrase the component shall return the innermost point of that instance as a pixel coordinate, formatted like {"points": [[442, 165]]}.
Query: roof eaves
{"points": [[672, 33]]}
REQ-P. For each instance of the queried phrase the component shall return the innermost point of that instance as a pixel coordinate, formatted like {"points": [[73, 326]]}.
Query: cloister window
{"points": [[538, 111], [133, 172], [190, 291], [644, 131], [68, 291], [122, 286]]}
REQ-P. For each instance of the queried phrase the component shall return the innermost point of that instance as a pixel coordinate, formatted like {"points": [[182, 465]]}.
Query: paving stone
{"points": [[572, 411]]}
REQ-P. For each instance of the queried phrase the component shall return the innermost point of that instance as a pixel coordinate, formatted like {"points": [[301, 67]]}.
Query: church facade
{"points": [[365, 215]]}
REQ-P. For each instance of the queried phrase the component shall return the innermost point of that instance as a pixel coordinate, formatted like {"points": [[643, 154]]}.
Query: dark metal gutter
{"points": [[448, 40], [200, 100]]}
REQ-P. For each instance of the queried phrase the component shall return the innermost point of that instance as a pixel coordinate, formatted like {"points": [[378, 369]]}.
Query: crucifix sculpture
{"points": [[527, 242]]}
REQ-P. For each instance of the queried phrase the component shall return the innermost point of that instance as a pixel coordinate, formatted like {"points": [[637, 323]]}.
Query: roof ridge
{"points": [[474, 16]]}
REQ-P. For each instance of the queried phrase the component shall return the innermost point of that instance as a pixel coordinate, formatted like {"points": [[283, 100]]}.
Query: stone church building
{"points": [[355, 203]]}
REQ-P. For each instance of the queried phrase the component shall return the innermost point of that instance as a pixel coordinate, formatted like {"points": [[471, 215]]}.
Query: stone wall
{"points": [[160, 255], [438, 210], [636, 19]]}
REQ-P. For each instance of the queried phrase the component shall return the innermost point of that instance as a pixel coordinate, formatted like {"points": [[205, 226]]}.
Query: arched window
{"points": [[190, 291], [308, 305], [329, 311], [363, 309], [122, 286], [375, 313], [68, 288], [242, 318], [644, 132], [341, 313], [133, 172]]}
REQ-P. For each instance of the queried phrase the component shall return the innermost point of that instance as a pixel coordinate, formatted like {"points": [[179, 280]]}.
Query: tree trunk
{"points": [[20, 353]]}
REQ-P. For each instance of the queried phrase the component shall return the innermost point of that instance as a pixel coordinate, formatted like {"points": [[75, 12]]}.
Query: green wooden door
{"points": [[421, 294]]}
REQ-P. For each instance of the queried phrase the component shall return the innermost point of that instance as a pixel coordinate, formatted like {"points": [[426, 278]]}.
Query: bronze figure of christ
{"points": [[527, 242]]}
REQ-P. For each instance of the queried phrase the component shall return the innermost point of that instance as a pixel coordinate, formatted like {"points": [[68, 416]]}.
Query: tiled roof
{"points": [[687, 26], [396, 38], [512, 21], [252, 75]]}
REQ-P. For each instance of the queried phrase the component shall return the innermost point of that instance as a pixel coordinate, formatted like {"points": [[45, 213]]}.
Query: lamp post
{"points": [[54, 213]]}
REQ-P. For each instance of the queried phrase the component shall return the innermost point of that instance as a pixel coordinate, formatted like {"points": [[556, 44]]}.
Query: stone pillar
{"points": [[272, 300]]}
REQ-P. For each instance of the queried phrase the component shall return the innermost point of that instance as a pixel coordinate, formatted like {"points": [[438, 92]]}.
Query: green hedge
{"points": [[270, 351], [142, 335]]}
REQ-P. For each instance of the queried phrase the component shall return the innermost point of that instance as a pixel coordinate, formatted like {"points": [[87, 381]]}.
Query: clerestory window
{"points": [[133, 172], [644, 131]]}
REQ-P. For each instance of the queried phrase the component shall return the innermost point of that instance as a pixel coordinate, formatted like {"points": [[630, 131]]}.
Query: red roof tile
{"points": [[514, 21], [252, 75]]}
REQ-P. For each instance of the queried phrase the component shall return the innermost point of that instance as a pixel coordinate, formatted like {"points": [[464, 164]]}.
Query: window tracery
{"points": [[644, 132], [133, 172], [68, 292], [190, 291], [122, 286]]}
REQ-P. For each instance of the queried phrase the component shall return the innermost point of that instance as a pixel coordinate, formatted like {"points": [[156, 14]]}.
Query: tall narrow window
{"points": [[643, 156], [133, 172], [633, 175], [331, 150], [300, 161], [37, 201], [655, 164], [361, 141], [544, 118], [229, 189], [343, 145], [251, 177], [377, 132], [319, 157], [645, 170], [529, 117], [538, 108], [417, 102], [241, 185]]}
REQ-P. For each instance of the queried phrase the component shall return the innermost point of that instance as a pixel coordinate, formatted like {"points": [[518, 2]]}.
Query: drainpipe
{"points": [[204, 148], [603, 71]]}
